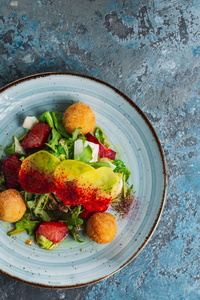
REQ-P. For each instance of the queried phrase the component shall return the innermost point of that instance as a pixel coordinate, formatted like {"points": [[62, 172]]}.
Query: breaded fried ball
{"points": [[101, 227], [12, 206], [79, 115]]}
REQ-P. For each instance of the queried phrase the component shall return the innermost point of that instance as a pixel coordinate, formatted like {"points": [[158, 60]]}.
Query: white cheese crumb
{"points": [[30, 122]]}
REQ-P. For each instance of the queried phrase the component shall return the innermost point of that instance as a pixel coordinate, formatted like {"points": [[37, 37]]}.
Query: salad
{"points": [[60, 177]]}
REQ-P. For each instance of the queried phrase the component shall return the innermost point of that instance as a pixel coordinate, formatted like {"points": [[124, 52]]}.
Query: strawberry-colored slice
{"points": [[103, 151], [11, 168], [53, 231], [37, 137]]}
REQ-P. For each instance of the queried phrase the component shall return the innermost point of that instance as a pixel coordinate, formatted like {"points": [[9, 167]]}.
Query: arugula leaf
{"points": [[121, 168], [86, 155], [27, 196], [63, 148], [82, 137], [73, 221], [76, 210], [39, 209], [129, 190], [31, 205], [72, 217], [124, 186], [97, 165], [37, 203], [59, 125], [55, 137], [48, 117], [70, 143], [55, 121], [22, 158], [11, 149], [75, 134], [24, 224], [75, 235], [99, 135]]}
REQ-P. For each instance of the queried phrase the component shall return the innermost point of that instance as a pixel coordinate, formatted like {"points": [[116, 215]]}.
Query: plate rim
{"points": [[164, 167]]}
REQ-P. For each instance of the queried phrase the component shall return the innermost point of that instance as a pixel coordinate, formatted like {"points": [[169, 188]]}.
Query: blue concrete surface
{"points": [[150, 50]]}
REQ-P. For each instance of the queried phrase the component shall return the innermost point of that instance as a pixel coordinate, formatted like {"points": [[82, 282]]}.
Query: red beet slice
{"points": [[37, 137], [37, 173], [11, 168], [53, 231], [86, 214], [100, 204], [103, 151]]}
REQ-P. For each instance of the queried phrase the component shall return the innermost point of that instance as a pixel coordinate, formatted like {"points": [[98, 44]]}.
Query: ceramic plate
{"points": [[129, 131]]}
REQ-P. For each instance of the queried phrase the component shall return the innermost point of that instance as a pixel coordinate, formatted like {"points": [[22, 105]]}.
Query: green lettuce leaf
{"points": [[53, 142], [25, 224], [86, 155], [59, 125], [97, 165], [47, 117], [99, 135]]}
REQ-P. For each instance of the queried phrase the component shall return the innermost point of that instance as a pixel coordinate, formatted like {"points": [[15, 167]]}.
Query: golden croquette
{"points": [[79, 115], [101, 227], [12, 206]]}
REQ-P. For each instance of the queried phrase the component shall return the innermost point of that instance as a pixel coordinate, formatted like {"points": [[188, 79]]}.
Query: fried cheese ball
{"points": [[12, 206], [79, 115], [101, 227]]}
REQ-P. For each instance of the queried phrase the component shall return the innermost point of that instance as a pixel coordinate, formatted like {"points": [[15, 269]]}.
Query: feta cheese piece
{"points": [[30, 122], [78, 148], [18, 148]]}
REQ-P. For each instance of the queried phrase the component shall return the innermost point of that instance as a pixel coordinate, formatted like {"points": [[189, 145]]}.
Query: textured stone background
{"points": [[150, 50]]}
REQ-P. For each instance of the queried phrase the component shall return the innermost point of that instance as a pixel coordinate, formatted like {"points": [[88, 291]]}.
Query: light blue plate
{"points": [[129, 131]]}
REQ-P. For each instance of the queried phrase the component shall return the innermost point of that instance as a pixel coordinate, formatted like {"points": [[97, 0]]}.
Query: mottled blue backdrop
{"points": [[150, 50]]}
